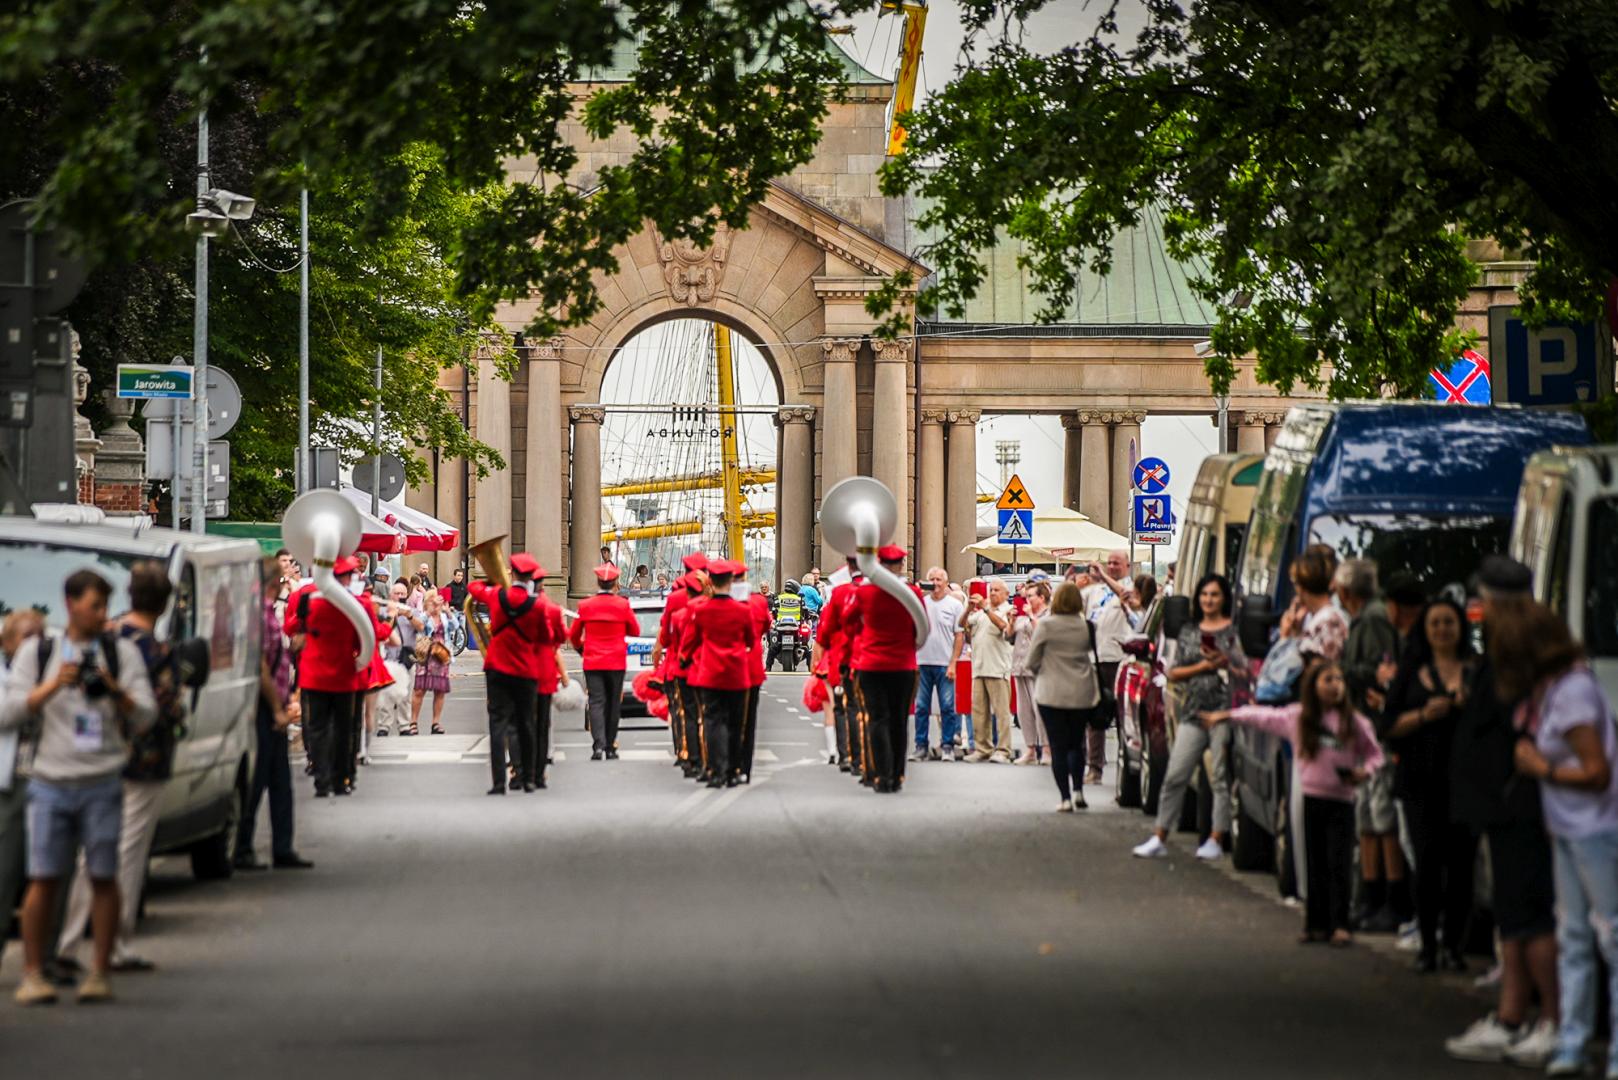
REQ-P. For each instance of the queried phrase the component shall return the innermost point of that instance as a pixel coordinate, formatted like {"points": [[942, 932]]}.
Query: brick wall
{"points": [[118, 498]]}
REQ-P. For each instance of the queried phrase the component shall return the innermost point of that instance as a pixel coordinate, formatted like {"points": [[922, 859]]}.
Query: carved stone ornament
{"points": [[794, 414], [587, 414], [839, 350], [693, 273]]}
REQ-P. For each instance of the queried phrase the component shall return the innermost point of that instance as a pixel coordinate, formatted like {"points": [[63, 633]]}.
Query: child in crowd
{"points": [[1336, 749]]}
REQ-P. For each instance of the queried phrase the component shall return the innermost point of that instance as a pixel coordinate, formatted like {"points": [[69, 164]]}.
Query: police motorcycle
{"points": [[793, 630]]}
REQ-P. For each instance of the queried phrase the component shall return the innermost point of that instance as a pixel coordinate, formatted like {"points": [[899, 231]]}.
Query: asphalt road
{"points": [[626, 923]]}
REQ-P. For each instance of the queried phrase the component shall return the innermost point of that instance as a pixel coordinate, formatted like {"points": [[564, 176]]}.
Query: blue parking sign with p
{"points": [[1153, 514]]}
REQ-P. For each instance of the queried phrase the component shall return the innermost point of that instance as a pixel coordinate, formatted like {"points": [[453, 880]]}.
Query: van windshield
{"points": [[1601, 583], [1440, 550], [33, 574]]}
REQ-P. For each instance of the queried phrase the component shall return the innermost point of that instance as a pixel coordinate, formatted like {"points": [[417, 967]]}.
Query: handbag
{"points": [[1105, 710], [424, 649]]}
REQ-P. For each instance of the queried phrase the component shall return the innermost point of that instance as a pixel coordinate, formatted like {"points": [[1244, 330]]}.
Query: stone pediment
{"points": [[835, 235]]}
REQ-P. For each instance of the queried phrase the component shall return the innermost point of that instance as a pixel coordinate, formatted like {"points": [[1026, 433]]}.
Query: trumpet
{"points": [[317, 528], [491, 557], [855, 517]]}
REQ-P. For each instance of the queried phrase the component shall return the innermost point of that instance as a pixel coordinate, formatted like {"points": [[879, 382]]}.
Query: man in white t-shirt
{"points": [[987, 622], [935, 668]]}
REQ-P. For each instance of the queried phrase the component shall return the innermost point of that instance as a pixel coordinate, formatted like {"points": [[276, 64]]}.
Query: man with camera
{"points": [[88, 693]]}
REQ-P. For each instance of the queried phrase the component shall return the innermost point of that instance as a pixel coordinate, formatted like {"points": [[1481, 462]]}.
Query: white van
{"points": [[216, 598], [1567, 516]]}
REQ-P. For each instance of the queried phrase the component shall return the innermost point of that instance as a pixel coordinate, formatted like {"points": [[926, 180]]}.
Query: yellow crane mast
{"points": [[904, 87], [747, 478], [729, 457]]}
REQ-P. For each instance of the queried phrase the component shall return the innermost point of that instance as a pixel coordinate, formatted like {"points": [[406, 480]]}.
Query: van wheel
{"points": [[214, 858], [1251, 848]]}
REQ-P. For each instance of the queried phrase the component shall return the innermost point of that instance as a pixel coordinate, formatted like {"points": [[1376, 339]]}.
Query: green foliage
{"points": [[1322, 159]]}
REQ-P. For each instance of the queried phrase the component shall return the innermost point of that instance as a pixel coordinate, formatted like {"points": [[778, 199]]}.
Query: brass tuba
{"points": [[491, 557], [318, 528], [856, 516]]}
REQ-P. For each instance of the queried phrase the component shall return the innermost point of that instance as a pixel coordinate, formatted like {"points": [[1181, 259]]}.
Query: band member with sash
{"points": [[760, 605], [831, 639], [715, 655], [517, 628], [600, 635], [665, 656], [328, 684]]}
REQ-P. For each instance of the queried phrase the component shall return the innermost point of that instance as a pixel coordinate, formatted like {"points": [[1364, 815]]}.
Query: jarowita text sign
{"points": [[148, 381]]}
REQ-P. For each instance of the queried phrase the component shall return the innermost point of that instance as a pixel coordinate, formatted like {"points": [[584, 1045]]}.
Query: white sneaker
{"points": [[976, 756], [948, 754], [1486, 1040], [1152, 849], [1000, 757], [1409, 939], [1065, 806], [1534, 1048], [1209, 851]]}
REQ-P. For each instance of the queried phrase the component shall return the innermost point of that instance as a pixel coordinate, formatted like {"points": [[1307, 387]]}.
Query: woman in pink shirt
{"points": [[1335, 749]]}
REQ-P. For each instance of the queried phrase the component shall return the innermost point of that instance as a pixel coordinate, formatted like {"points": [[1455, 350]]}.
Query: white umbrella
{"points": [[1060, 535]]}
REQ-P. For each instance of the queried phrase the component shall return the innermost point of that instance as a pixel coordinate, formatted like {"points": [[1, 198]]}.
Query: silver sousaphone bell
{"points": [[319, 528], [857, 516]]}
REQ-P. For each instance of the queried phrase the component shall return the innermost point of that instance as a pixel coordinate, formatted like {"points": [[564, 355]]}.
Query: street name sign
{"points": [[1015, 496], [151, 381], [1016, 526]]}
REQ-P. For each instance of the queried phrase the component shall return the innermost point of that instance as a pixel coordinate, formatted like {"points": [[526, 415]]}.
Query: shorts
{"points": [[1373, 805], [62, 817], [1524, 883]]}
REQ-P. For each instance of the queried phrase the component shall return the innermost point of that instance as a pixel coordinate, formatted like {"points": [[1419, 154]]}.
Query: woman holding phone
{"points": [[1209, 659], [1423, 703]]}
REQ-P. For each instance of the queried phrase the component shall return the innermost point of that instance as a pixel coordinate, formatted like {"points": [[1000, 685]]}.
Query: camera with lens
{"points": [[92, 680]]}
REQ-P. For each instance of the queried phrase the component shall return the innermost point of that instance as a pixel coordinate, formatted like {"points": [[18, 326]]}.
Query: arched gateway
{"points": [[794, 282]]}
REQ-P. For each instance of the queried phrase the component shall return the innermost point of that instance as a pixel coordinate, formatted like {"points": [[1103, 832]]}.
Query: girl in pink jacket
{"points": [[1335, 750]]}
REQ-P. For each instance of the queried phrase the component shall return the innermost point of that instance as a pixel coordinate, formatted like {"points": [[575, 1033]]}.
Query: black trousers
{"points": [[840, 709], [1445, 856], [1068, 733], [542, 737], [855, 719], [328, 723], [723, 714], [1331, 850], [606, 703], [511, 710], [886, 697], [749, 738], [696, 747], [676, 695], [272, 773]]}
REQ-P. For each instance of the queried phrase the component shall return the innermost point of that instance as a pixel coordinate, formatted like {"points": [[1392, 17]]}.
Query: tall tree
{"points": [[1324, 159]]}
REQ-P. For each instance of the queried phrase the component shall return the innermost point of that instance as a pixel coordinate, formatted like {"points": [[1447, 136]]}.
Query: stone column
{"points": [[1095, 488], [493, 428], [1072, 456], [451, 503], [1125, 431], [584, 542], [961, 493], [1272, 426], [543, 517], [891, 432], [85, 443], [839, 436], [930, 492], [120, 463], [794, 492], [1250, 434]]}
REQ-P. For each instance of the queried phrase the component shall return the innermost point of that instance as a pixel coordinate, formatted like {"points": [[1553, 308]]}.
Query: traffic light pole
{"points": [[199, 351]]}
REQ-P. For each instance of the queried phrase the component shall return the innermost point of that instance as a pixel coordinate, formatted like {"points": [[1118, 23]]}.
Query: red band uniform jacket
{"points": [[761, 626], [833, 631], [330, 646], [599, 633], [514, 639], [883, 634], [549, 662], [715, 649]]}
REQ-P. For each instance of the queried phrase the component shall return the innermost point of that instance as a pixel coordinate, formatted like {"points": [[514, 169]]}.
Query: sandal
{"points": [[438, 729], [382, 731], [411, 730]]}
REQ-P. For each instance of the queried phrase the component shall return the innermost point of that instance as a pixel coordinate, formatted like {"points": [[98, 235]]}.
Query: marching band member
{"points": [[715, 653], [762, 619], [700, 586], [550, 673], [831, 641], [328, 683], [600, 634], [665, 652], [518, 626], [884, 662]]}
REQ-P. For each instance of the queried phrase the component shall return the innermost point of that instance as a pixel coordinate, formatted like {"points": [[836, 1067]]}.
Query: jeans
{"points": [[272, 775], [935, 678], [142, 799], [1066, 728], [606, 700], [1586, 923], [1190, 740]]}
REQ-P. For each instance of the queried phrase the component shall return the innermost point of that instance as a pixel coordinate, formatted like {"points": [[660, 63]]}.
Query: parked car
{"points": [[1567, 512], [216, 598], [648, 610], [1421, 487]]}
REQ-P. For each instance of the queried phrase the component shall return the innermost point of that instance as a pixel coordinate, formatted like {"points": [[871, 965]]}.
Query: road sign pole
{"points": [[174, 465], [376, 441], [305, 466], [199, 350]]}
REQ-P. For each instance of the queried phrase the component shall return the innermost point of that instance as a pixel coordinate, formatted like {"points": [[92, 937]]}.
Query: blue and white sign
{"points": [[1558, 364], [1464, 382], [1151, 476], [1153, 514], [1016, 526]]}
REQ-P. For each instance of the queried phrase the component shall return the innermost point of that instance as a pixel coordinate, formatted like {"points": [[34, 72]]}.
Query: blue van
{"points": [[1422, 487]]}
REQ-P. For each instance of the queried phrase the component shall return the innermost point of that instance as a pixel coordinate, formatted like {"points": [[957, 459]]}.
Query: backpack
{"points": [[151, 752], [109, 654]]}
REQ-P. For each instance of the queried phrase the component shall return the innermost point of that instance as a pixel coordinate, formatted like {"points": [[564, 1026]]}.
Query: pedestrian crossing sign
{"points": [[1016, 526]]}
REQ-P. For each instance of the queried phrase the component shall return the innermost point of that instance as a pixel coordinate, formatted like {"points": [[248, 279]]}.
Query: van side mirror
{"points": [[193, 659], [1255, 619], [1176, 613]]}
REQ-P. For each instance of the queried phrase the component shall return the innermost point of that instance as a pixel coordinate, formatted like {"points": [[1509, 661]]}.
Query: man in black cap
{"points": [[1490, 796]]}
